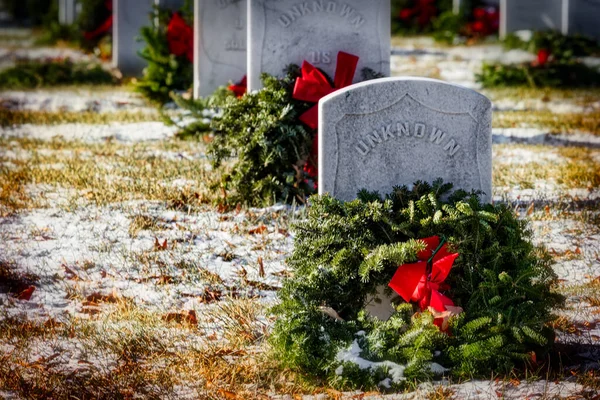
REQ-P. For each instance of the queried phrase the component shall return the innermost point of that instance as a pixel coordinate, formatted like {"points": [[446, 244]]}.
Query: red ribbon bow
{"points": [[425, 10], [312, 86], [414, 283], [180, 37], [239, 89], [543, 57], [104, 27]]}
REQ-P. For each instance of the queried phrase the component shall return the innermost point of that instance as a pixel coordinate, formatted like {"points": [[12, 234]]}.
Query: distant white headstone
{"points": [[395, 131], [129, 16], [534, 15], [220, 44], [67, 12], [283, 32]]}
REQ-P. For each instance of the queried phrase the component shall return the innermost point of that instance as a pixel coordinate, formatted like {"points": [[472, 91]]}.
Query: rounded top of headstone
{"points": [[369, 95]]}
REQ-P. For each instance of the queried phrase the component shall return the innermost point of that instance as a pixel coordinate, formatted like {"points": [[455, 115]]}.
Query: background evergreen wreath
{"points": [[345, 250]]}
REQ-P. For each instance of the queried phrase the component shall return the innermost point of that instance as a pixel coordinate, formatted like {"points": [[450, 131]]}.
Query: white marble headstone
{"points": [[394, 131], [220, 41], [283, 32], [67, 12], [129, 16], [535, 15]]}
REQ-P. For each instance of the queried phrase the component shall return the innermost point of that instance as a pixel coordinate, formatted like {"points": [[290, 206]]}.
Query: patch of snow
{"points": [[523, 156], [525, 34], [122, 132], [542, 136], [100, 101], [95, 244], [352, 355], [437, 369]]}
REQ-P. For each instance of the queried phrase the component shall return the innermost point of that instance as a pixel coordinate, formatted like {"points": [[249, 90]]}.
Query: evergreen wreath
{"points": [[345, 251], [416, 16], [169, 53], [556, 64], [269, 141], [261, 131]]}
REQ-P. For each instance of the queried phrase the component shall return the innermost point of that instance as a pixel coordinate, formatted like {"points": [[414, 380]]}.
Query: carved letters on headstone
{"points": [[394, 131], [283, 32]]}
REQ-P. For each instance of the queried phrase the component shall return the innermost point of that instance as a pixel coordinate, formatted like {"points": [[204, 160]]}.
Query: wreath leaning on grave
{"points": [[475, 294], [169, 51], [558, 62], [271, 136]]}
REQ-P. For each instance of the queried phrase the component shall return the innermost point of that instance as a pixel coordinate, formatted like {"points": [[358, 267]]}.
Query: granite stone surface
{"points": [[129, 16], [535, 15], [220, 38], [66, 12], [283, 32], [584, 17], [394, 131]]}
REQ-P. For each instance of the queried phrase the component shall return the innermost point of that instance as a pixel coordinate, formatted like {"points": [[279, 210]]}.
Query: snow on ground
{"points": [[122, 132], [94, 247], [101, 101], [8, 56], [89, 249], [543, 136]]}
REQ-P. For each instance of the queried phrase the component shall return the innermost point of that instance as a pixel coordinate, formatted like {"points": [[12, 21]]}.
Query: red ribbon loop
{"points": [[180, 37], [412, 282], [239, 89], [312, 86]]}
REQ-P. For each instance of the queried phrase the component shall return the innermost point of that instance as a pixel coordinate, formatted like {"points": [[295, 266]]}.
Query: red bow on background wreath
{"points": [[421, 282], [487, 20], [425, 10], [180, 37], [104, 27], [312, 86], [543, 56], [239, 89]]}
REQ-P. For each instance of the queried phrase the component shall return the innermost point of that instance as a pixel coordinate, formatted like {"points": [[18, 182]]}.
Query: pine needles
{"points": [[346, 251]]}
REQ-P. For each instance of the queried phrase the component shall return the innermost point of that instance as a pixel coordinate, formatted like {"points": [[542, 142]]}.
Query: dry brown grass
{"points": [[579, 169], [555, 123], [109, 173], [20, 117], [581, 97], [149, 356]]}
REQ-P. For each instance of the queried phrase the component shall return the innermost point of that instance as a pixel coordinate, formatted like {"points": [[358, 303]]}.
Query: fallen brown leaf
{"points": [[26, 294], [258, 230], [227, 394], [159, 246]]}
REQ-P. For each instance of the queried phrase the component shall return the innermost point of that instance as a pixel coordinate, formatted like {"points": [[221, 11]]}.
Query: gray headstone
{"points": [[129, 16], [220, 41], [67, 12], [394, 131], [584, 17], [283, 32], [535, 15]]}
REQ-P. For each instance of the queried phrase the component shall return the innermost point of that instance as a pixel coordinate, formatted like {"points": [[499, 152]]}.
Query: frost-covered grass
{"points": [[10, 118], [551, 121], [144, 287]]}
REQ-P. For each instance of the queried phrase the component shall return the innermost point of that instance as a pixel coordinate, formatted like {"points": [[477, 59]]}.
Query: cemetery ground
{"points": [[121, 277]]}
